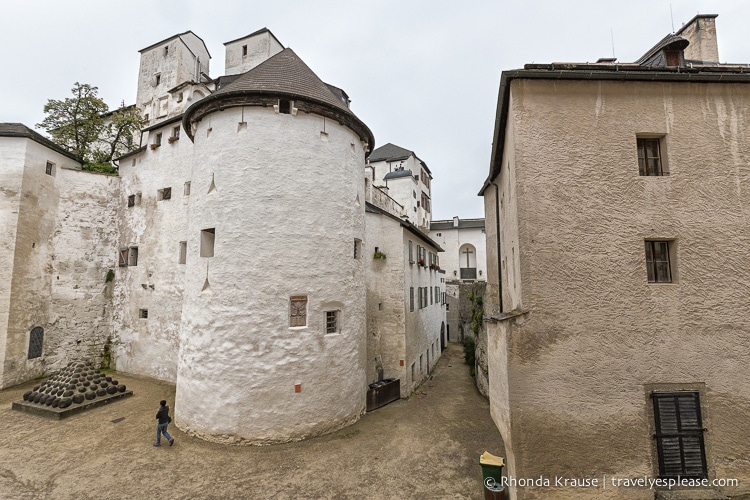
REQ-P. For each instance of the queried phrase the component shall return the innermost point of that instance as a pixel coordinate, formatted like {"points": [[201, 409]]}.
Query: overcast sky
{"points": [[423, 75]]}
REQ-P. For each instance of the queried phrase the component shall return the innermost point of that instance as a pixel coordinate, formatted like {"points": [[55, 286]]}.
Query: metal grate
{"points": [[36, 339]]}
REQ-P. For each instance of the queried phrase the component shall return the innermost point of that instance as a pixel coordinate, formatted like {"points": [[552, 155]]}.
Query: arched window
{"points": [[467, 261]]}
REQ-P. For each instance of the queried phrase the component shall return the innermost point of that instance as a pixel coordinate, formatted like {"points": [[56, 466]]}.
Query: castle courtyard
{"points": [[425, 447]]}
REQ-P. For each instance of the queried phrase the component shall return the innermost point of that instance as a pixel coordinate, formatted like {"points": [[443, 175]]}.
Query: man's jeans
{"points": [[162, 429]]}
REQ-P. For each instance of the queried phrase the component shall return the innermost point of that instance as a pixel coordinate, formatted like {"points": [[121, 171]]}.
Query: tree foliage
{"points": [[84, 125]]}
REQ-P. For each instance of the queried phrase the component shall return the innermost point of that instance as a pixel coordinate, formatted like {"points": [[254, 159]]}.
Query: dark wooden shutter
{"points": [[679, 434], [36, 340]]}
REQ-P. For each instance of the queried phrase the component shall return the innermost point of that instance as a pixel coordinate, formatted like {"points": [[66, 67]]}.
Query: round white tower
{"points": [[272, 340]]}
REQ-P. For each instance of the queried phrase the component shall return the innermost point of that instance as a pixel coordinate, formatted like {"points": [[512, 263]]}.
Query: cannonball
{"points": [[55, 402], [67, 394], [115, 382], [121, 388], [78, 399], [101, 392], [90, 395], [64, 403]]}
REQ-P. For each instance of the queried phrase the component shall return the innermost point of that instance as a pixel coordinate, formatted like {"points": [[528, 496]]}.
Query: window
{"points": [[50, 169], [164, 194], [412, 372], [176, 133], [332, 321], [157, 139], [411, 253], [138, 199], [411, 299], [183, 252], [657, 262], [357, 248], [180, 97], [208, 238], [431, 296], [36, 340], [186, 191], [679, 434], [128, 257], [131, 200], [649, 157], [298, 310], [143, 313], [244, 50], [157, 79], [285, 107]]}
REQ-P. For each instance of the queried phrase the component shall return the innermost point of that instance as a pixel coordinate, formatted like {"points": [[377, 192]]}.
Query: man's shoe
{"points": [[171, 442], [157, 444]]}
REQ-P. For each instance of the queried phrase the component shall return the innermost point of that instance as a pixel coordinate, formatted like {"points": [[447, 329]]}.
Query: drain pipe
{"points": [[499, 252]]}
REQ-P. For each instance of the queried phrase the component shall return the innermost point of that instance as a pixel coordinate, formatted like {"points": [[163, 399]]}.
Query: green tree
{"points": [[83, 125]]}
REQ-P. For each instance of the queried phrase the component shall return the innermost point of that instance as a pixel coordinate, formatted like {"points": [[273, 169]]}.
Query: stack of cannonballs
{"points": [[75, 384]]}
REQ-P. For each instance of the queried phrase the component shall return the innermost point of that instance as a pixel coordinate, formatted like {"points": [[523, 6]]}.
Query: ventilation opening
{"points": [[285, 107]]}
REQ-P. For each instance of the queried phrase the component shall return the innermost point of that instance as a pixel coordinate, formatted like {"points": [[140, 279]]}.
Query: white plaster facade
{"points": [[267, 167], [404, 337], [57, 232], [243, 54], [464, 243], [579, 341], [406, 179]]}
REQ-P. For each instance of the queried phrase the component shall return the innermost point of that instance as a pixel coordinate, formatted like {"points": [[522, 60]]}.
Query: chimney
{"points": [[700, 31]]}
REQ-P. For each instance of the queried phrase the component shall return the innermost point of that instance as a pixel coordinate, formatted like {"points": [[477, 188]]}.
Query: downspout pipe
{"points": [[499, 248]]}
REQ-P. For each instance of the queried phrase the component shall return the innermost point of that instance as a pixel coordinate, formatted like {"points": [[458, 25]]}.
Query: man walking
{"points": [[163, 417]]}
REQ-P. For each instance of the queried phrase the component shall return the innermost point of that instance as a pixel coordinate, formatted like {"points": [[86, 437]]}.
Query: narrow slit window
{"points": [[50, 169], [244, 50], [208, 239], [186, 192], [183, 252]]}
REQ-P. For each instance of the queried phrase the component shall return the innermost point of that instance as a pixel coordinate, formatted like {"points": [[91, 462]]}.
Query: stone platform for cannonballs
{"points": [[77, 387]]}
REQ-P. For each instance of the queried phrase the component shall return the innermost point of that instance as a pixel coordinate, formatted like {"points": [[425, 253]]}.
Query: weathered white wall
{"points": [[150, 346], [60, 260], [287, 208], [451, 240], [401, 190], [11, 178], [387, 304], [185, 60], [580, 364], [259, 48]]}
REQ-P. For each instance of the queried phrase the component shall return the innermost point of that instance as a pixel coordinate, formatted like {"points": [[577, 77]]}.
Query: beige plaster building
{"points": [[617, 213]]}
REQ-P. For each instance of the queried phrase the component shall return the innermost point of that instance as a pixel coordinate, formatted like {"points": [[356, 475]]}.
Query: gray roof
{"points": [[398, 173], [178, 35], [670, 41], [441, 225], [390, 153], [282, 75], [21, 130], [254, 33]]}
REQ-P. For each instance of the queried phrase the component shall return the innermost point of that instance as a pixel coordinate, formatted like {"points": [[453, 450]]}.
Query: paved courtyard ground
{"points": [[424, 447]]}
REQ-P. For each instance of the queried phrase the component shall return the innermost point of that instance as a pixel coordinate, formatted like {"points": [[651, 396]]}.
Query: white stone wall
{"points": [[387, 299], [451, 240], [60, 260], [598, 336], [149, 346], [184, 60], [259, 48], [288, 205], [403, 191], [422, 325]]}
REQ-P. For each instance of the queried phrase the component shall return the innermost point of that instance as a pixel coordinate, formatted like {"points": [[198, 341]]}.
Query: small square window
{"points": [[208, 238], [164, 194], [143, 313], [657, 261], [50, 169], [332, 321], [131, 200], [298, 310], [285, 107], [650, 158], [183, 252]]}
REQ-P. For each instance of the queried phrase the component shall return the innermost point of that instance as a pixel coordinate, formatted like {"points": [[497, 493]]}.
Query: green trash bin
{"points": [[492, 473]]}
